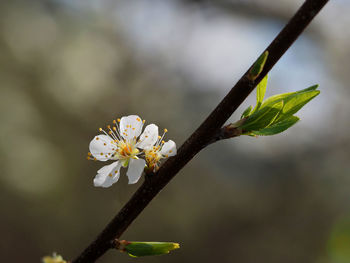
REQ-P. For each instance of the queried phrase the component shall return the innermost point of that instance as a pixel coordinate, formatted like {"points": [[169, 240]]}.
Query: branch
{"points": [[203, 136]]}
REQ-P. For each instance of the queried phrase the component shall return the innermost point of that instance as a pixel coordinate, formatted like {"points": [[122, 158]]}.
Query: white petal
{"points": [[107, 175], [149, 136], [102, 144], [168, 149], [130, 127], [135, 170]]}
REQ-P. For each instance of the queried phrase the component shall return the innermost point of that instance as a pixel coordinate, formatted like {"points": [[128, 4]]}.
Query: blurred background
{"points": [[70, 67]]}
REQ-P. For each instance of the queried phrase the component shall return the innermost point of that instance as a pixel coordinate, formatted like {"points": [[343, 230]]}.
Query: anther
{"points": [[114, 121], [143, 121], [110, 132], [165, 130], [110, 175], [101, 153], [138, 119], [163, 142], [100, 129], [114, 128], [97, 138], [89, 153], [108, 126], [118, 120]]}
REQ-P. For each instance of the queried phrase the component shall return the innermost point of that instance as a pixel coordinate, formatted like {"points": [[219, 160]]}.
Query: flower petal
{"points": [[102, 147], [130, 127], [168, 149], [135, 170], [107, 175], [149, 136]]}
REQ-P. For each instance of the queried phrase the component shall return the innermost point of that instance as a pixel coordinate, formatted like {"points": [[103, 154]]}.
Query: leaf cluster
{"points": [[276, 113]]}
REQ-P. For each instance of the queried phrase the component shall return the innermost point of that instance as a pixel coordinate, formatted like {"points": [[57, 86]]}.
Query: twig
{"points": [[203, 136]]}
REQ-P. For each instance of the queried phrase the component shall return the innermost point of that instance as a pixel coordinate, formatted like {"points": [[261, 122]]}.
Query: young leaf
{"points": [[140, 249], [285, 96], [258, 66], [295, 102], [277, 127], [262, 118], [260, 93], [246, 112]]}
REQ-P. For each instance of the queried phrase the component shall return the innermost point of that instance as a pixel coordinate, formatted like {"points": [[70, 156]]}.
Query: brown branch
{"points": [[201, 137]]}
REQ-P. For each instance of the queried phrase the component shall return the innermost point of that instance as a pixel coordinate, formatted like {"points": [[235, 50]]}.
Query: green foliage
{"points": [[277, 127], [258, 66], [260, 93], [275, 114], [246, 112], [140, 249]]}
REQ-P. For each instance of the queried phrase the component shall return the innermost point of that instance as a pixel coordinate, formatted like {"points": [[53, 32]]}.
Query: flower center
{"points": [[126, 150]]}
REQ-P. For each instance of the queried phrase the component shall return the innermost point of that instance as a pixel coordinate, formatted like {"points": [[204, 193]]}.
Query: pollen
{"points": [[138, 119]]}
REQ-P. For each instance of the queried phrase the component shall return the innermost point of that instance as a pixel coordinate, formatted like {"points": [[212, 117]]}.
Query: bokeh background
{"points": [[69, 67]]}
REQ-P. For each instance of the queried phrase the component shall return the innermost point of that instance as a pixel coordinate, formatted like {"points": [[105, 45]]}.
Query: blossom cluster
{"points": [[128, 146]]}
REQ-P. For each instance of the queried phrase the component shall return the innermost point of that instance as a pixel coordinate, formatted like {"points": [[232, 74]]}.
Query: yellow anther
{"points": [[114, 121], [100, 129], [97, 138], [159, 137], [88, 157], [138, 119], [114, 128], [116, 172], [146, 136], [133, 129], [95, 159], [108, 126], [101, 153], [118, 120], [170, 151], [110, 132], [89, 154], [166, 156], [143, 121], [110, 175], [165, 130], [163, 142]]}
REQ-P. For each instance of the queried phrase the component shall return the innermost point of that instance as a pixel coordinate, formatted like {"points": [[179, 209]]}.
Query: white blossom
{"points": [[158, 150], [121, 144]]}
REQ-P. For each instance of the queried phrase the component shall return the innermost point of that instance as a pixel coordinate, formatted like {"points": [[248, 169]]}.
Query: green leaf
{"points": [[246, 112], [258, 66], [277, 127], [285, 96], [260, 93], [140, 249], [262, 118], [295, 102]]}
